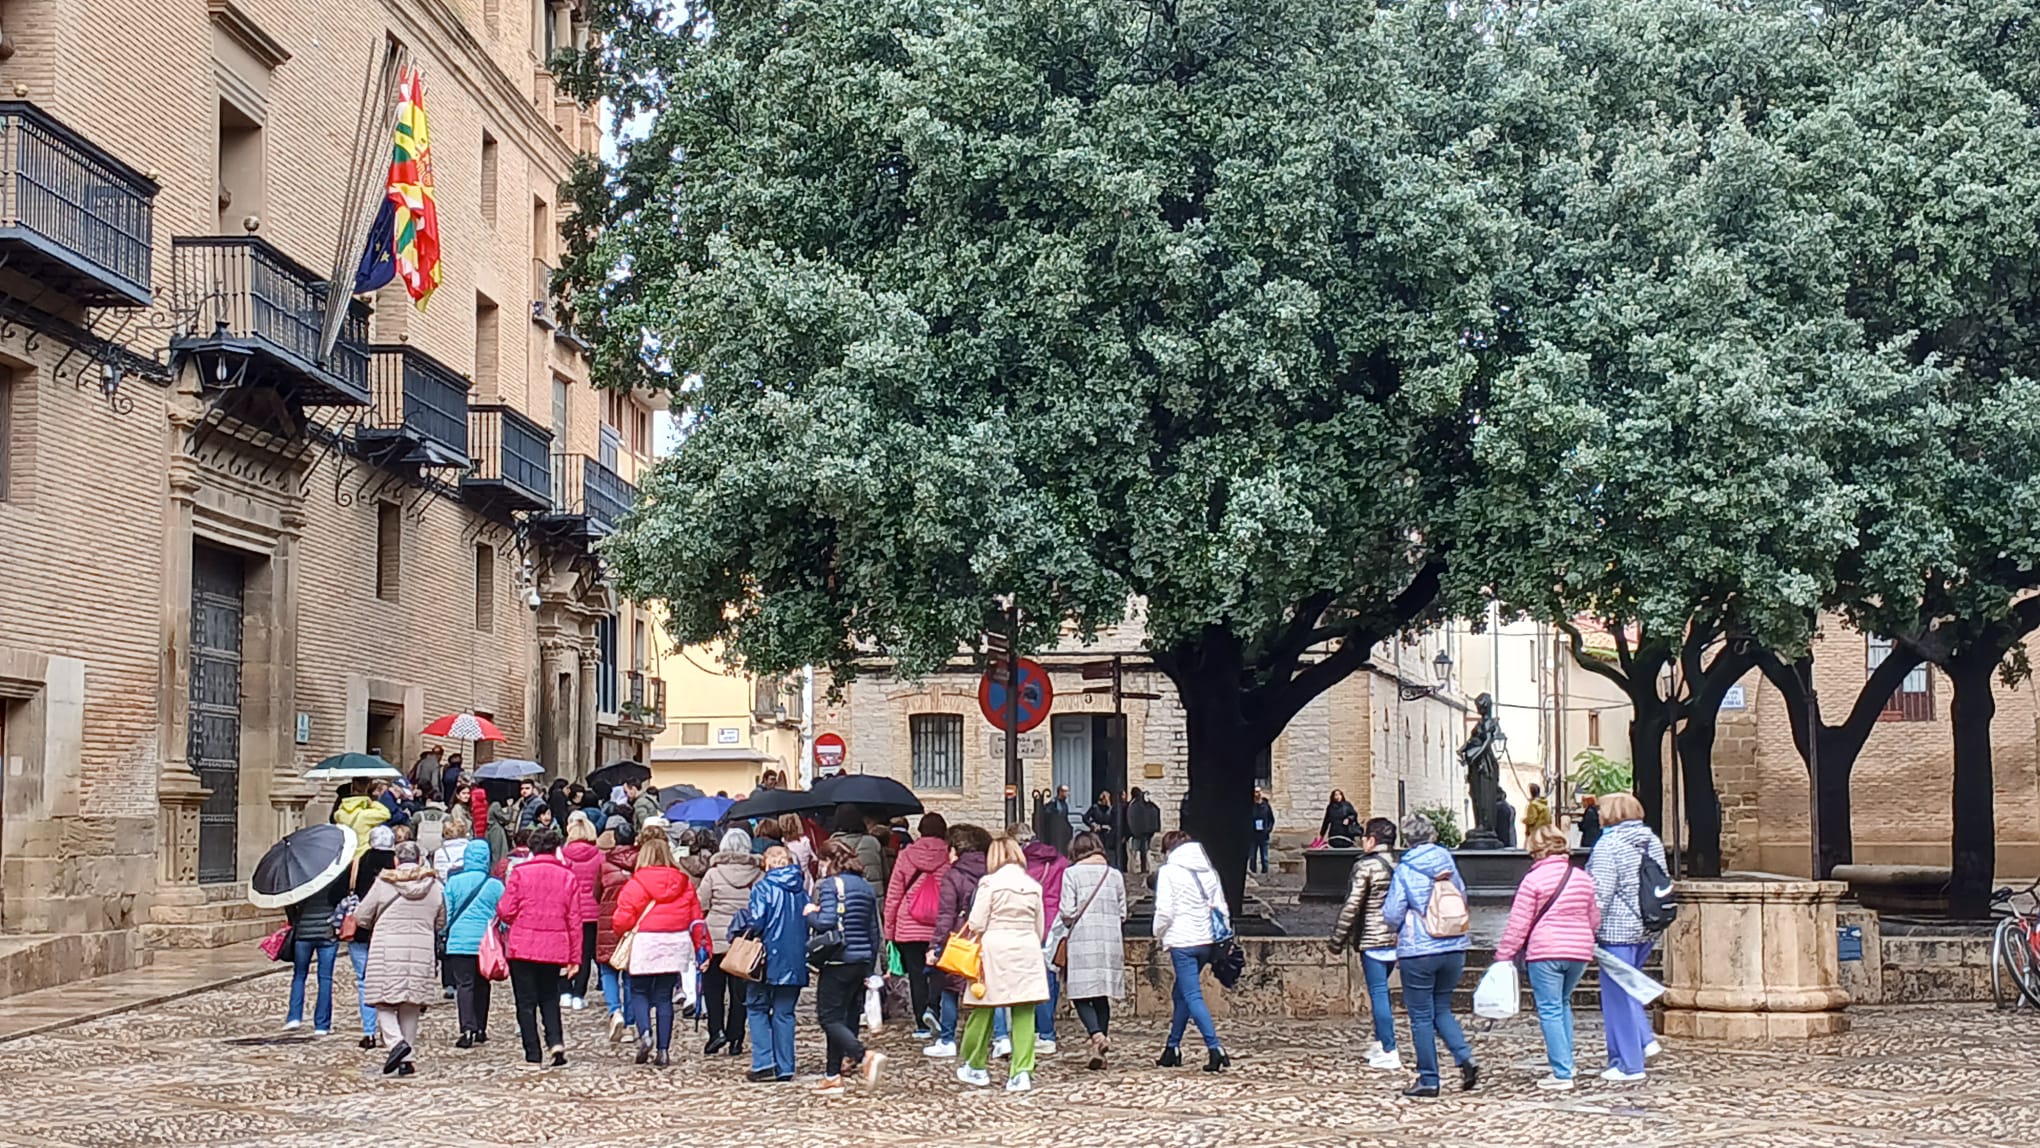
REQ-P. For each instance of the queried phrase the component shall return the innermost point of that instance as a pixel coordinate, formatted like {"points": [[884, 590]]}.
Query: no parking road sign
{"points": [[1036, 695]]}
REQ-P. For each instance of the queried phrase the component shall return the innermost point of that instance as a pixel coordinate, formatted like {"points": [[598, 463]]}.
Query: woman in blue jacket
{"points": [[1430, 965], [471, 896], [776, 913], [845, 900]]}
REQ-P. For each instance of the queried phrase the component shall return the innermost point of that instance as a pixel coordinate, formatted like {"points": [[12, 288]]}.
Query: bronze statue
{"points": [[1481, 755]]}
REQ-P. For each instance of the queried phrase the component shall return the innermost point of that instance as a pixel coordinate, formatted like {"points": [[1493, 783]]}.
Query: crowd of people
{"points": [[566, 896]]}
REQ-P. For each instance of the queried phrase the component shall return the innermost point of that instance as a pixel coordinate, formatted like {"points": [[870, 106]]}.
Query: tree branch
{"points": [[1281, 701], [1592, 665]]}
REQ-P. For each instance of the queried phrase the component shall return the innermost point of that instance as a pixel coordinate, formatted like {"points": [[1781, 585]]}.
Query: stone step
{"points": [[31, 962], [209, 925]]}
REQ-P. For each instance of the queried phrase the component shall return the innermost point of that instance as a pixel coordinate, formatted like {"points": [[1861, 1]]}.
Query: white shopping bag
{"points": [[874, 1010], [1628, 977], [1498, 996], [689, 984]]}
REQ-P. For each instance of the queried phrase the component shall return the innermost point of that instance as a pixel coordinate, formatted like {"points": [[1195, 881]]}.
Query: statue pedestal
{"points": [[1754, 960], [1482, 838]]}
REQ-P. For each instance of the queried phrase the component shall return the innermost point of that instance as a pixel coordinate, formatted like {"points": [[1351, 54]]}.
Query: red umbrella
{"points": [[467, 727]]}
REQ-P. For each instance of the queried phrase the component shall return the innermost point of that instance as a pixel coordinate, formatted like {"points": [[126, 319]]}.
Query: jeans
{"points": [[536, 985], [724, 1004], [1257, 857], [914, 959], [1622, 1015], [977, 1039], [1096, 1013], [1188, 993], [470, 992], [771, 1008], [357, 955], [947, 1035], [651, 1003], [1427, 984], [302, 953], [1044, 1013], [1551, 986], [615, 989], [1377, 1000], [838, 997], [578, 986]]}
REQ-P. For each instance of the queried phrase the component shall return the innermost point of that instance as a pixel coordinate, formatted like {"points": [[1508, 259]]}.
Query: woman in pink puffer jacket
{"points": [[1551, 930]]}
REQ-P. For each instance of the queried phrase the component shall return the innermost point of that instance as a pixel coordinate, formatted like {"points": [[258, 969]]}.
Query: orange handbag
{"points": [[962, 956]]}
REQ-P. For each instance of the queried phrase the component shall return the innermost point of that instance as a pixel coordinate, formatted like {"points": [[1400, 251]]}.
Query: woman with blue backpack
{"points": [[1626, 851], [1426, 907]]}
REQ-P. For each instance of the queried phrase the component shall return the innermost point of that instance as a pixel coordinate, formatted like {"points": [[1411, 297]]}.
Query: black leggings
{"points": [[722, 1003], [536, 985], [578, 986], [1096, 1013], [837, 1001], [914, 959], [470, 992]]}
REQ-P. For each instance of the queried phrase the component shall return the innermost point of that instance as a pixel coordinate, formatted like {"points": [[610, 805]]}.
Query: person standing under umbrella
{"points": [[360, 811], [312, 940], [405, 909]]}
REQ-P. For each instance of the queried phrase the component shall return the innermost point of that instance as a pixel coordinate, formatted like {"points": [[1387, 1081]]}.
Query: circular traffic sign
{"points": [[830, 750], [1036, 695]]}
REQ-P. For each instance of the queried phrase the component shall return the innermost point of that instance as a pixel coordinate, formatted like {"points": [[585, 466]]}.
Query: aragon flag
{"points": [[415, 224]]}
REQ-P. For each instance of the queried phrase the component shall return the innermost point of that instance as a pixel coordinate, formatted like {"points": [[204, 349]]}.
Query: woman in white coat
{"points": [[1093, 909], [1006, 916], [1187, 894]]}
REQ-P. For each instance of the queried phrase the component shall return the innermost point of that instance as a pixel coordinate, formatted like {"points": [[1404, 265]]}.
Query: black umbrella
{"points": [[301, 865], [619, 773], [773, 802], [881, 796]]}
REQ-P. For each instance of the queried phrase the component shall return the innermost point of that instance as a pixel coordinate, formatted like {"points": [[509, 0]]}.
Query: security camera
{"points": [[531, 597]]}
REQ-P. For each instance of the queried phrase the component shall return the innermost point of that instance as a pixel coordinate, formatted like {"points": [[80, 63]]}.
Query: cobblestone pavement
{"points": [[214, 1069]]}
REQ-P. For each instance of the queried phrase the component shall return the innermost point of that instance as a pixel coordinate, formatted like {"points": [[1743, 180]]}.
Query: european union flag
{"points": [[379, 258]]}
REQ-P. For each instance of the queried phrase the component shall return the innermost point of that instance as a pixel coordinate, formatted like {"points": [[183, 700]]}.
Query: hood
{"points": [[475, 858], [737, 860], [624, 856], [849, 837], [357, 803], [1190, 855], [1633, 834], [1430, 859], [787, 877], [580, 852], [412, 881], [927, 853], [970, 864], [662, 883], [1044, 855]]}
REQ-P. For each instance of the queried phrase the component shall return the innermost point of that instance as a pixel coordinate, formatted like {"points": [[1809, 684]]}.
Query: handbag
{"points": [[344, 925], [962, 956], [490, 958], [1221, 924], [619, 957], [276, 944], [1062, 947], [745, 958], [827, 946], [924, 901]]}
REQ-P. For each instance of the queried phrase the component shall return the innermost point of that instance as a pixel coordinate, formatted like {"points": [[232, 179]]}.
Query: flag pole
{"points": [[373, 131]]}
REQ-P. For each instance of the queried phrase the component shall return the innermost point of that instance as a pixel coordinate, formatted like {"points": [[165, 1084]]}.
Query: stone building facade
{"points": [[223, 556]]}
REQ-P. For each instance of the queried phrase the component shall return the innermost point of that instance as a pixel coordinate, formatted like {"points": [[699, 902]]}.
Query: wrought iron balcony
{"points": [[589, 496], [512, 460], [420, 416], [71, 215], [254, 315], [644, 701]]}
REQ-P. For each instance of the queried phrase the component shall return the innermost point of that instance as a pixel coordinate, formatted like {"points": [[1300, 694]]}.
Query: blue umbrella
{"points": [[707, 810]]}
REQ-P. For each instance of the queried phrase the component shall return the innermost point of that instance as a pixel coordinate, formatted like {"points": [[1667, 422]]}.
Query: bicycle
{"points": [[2015, 948]]}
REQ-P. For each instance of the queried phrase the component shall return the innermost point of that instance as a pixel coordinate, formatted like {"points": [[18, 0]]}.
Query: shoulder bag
{"points": [[828, 945], [490, 958], [1523, 958], [745, 958], [1062, 947]]}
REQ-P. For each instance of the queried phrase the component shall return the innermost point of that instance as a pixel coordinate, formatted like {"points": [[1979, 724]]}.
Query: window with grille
{"points": [[1913, 700], [389, 548], [937, 750]]}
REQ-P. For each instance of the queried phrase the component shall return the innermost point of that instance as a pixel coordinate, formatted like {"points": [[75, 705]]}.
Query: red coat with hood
{"points": [[657, 899], [542, 904], [616, 871], [924, 860]]}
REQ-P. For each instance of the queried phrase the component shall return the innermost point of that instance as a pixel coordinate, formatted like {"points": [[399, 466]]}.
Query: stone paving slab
{"points": [[213, 1068]]}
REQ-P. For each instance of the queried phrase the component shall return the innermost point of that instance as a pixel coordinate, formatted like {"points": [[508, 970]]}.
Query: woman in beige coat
{"points": [[406, 909], [1007, 917]]}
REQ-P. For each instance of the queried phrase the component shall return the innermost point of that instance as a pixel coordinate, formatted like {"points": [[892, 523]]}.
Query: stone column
{"points": [[1751, 960], [557, 675], [585, 717]]}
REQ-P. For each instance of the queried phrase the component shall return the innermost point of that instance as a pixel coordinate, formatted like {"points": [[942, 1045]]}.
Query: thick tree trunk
{"points": [[1973, 831], [1651, 718], [1831, 790], [1220, 812], [1701, 806]]}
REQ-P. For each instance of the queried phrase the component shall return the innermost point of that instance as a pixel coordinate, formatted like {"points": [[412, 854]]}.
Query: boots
{"points": [[1170, 1058]]}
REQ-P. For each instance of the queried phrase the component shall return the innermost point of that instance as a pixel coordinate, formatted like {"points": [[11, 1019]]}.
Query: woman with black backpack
{"points": [[1617, 865]]}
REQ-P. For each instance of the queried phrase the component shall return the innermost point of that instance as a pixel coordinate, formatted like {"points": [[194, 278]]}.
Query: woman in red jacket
{"points": [[616, 869], [917, 882], [581, 855], [542, 905], [659, 904]]}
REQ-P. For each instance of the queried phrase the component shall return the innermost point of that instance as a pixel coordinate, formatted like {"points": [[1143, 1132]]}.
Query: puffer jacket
{"points": [[870, 854], [1409, 894], [725, 890], [926, 859], [959, 885], [1616, 867], [1566, 930], [542, 904], [617, 867], [1360, 926], [586, 862], [1045, 863], [471, 897], [856, 911], [1187, 889], [775, 911], [361, 814], [657, 899], [406, 909], [311, 919]]}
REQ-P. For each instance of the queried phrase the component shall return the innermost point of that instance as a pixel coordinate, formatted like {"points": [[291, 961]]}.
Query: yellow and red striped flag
{"points": [[417, 214]]}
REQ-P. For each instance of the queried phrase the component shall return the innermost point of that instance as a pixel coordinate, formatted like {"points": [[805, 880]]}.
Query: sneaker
{"points": [[1651, 1050], [1019, 1082], [322, 1032], [1390, 1061], [616, 1028], [944, 1049], [830, 1086], [580, 1003], [559, 1056], [1373, 1049], [1421, 1092], [930, 1023], [1620, 1077], [292, 1025], [975, 1077], [762, 1075], [923, 1034], [1556, 1084], [1002, 1048], [1044, 1048], [873, 1061]]}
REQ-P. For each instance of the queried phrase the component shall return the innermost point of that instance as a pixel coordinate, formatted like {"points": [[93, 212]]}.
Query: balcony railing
{"points": [[419, 401], [248, 300], [511, 456], [645, 700], [72, 216], [541, 295], [584, 488]]}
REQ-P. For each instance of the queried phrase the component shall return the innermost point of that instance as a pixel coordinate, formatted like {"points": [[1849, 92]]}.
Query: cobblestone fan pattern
{"points": [[215, 1069]]}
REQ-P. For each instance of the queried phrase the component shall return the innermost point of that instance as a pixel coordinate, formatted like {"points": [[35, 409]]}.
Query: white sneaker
{"points": [[1390, 1061], [580, 1003], [1044, 1048], [1373, 1049], [566, 1000], [1019, 1082], [944, 1049], [1652, 1049], [322, 1032], [290, 1025], [1002, 1047], [1620, 1077], [1554, 1084], [975, 1077]]}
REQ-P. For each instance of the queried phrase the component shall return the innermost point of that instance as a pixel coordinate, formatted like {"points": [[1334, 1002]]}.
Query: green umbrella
{"points": [[347, 766]]}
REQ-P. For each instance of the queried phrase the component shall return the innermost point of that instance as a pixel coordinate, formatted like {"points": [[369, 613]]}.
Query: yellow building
{"points": [[726, 729]]}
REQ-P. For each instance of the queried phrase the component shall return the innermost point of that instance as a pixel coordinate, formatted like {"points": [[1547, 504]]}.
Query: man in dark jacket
{"points": [[1143, 821], [1263, 829]]}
